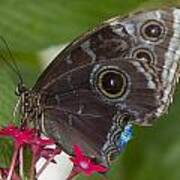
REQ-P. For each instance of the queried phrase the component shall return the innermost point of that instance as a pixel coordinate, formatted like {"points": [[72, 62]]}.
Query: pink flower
{"points": [[48, 153], [20, 136], [39, 149], [30, 137], [85, 164], [39, 143]]}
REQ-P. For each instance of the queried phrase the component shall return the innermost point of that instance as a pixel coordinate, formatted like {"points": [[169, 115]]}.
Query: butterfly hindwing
{"points": [[84, 113]]}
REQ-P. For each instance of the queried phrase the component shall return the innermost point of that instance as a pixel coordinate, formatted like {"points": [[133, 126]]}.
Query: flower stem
{"points": [[21, 163], [73, 174], [45, 165], [13, 162]]}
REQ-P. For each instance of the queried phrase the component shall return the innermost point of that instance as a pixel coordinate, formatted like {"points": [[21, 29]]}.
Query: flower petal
{"points": [[99, 168], [77, 152]]}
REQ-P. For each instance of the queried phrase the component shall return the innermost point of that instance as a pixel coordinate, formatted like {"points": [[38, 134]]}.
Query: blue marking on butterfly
{"points": [[125, 136]]}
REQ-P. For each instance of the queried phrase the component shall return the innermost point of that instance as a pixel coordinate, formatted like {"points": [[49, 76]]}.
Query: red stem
{"points": [[73, 174], [45, 165], [13, 162], [21, 163]]}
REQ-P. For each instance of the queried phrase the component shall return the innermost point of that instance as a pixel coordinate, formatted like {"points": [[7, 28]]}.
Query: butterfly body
{"points": [[125, 71]]}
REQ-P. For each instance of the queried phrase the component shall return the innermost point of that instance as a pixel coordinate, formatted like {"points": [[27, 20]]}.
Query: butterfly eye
{"points": [[112, 83], [144, 55], [152, 30]]}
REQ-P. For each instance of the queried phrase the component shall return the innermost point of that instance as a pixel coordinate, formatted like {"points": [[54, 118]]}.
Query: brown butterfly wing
{"points": [[127, 37], [101, 43], [76, 110], [156, 40], [76, 113]]}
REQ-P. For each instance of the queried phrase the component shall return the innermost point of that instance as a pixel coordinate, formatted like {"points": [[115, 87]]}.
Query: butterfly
{"points": [[123, 72]]}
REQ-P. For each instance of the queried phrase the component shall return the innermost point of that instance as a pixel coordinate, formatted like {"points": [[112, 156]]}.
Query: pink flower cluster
{"points": [[23, 138], [29, 138]]}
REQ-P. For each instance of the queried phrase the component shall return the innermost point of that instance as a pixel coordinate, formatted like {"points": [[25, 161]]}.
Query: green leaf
{"points": [[6, 148], [35, 24]]}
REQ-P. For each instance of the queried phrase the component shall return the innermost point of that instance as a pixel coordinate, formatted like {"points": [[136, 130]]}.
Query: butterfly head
{"points": [[20, 89]]}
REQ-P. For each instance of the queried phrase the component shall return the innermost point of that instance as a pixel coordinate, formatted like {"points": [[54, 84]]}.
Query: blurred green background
{"points": [[30, 26]]}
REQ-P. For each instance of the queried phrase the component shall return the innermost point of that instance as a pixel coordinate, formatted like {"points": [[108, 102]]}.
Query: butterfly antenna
{"points": [[12, 65]]}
